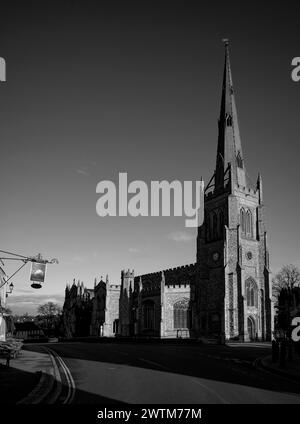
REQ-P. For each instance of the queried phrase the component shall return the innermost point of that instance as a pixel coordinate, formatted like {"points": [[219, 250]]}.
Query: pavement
{"points": [[41, 374], [291, 370], [30, 378]]}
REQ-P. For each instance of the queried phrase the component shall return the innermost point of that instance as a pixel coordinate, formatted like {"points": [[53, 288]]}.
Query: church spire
{"points": [[230, 162]]}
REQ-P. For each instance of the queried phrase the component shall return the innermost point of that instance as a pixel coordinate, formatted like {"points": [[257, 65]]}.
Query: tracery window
{"points": [[215, 225], [221, 223], [246, 222], [148, 314], [207, 226], [181, 314], [251, 293], [249, 223], [243, 222]]}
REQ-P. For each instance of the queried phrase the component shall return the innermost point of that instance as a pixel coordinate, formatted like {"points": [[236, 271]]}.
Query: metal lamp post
{"points": [[11, 287], [38, 268]]}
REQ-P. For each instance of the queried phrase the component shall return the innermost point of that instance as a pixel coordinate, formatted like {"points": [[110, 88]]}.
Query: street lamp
{"points": [[11, 287], [38, 268]]}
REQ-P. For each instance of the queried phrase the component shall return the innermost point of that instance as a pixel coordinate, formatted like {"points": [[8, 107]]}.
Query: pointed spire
{"points": [[229, 142]]}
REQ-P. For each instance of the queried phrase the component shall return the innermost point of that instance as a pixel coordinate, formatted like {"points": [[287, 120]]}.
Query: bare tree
{"points": [[48, 315], [49, 309], [287, 278]]}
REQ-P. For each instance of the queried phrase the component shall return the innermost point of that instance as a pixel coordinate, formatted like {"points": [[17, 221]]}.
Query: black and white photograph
{"points": [[150, 237]]}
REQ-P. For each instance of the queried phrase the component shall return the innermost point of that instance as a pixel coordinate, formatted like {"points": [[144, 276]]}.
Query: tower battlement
{"points": [[127, 274]]}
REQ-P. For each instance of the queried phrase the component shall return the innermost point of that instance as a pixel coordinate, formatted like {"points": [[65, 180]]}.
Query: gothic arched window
{"points": [[181, 314], [221, 223], [207, 227], [148, 314], [215, 225], [251, 292], [243, 221], [249, 223], [246, 223]]}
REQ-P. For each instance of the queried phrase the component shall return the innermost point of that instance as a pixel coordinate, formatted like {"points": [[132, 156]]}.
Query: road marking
{"points": [[212, 391], [69, 378], [71, 383]]}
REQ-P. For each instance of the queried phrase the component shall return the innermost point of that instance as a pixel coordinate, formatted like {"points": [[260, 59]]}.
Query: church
{"points": [[226, 294]]}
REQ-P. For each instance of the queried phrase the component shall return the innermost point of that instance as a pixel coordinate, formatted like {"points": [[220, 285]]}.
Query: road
{"points": [[174, 374]]}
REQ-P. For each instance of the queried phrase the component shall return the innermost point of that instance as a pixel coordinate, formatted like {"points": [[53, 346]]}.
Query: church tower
{"points": [[234, 289]]}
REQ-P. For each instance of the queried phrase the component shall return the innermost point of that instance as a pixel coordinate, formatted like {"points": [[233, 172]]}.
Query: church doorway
{"points": [[251, 328]]}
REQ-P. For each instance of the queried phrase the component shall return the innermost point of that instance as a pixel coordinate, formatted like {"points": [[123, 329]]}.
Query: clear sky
{"points": [[98, 88]]}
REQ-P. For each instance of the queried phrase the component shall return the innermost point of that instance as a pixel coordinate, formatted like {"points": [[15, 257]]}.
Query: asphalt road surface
{"points": [[175, 374]]}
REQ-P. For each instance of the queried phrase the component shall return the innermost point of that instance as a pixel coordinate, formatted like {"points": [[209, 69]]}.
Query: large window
{"points": [[251, 292], [148, 314], [243, 221], [181, 314], [246, 223], [221, 223], [249, 224], [207, 226], [214, 223]]}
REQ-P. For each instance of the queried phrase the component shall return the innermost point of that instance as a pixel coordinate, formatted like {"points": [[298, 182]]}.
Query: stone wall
{"points": [[112, 310], [164, 288]]}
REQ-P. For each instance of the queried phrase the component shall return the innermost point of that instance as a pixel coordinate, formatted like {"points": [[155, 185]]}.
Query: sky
{"points": [[98, 88]]}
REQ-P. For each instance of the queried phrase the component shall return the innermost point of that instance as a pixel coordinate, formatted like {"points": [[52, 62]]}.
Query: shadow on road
{"points": [[16, 384], [207, 362]]}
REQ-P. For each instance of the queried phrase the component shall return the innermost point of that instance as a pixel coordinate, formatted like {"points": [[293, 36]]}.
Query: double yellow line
{"points": [[70, 381]]}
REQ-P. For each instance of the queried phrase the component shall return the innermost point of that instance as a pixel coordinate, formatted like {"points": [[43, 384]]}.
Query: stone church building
{"points": [[226, 293]]}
